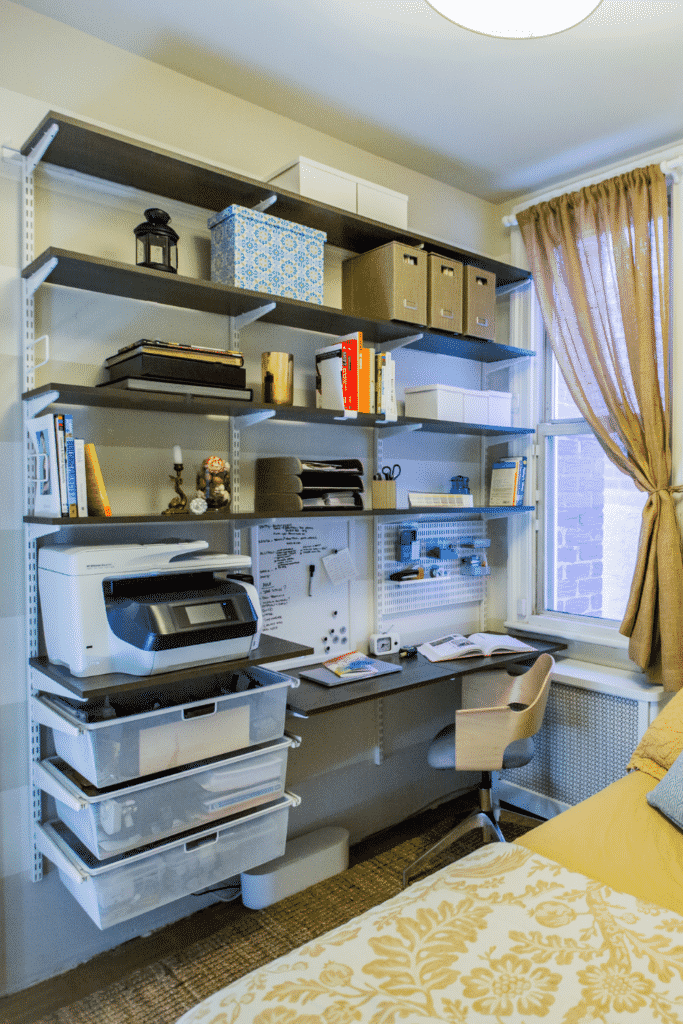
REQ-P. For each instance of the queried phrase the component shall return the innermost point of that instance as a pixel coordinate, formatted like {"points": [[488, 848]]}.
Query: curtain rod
{"points": [[673, 167]]}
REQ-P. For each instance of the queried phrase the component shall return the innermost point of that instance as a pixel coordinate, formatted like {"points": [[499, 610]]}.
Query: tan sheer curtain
{"points": [[600, 263]]}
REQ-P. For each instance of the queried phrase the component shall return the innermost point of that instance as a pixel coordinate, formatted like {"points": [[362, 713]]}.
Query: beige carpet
{"points": [[162, 992]]}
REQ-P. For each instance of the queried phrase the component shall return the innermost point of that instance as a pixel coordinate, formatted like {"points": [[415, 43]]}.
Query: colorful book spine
{"points": [[372, 371], [81, 480], [379, 383], [363, 376], [349, 347], [70, 455], [521, 479], [391, 410], [97, 499], [61, 463]]}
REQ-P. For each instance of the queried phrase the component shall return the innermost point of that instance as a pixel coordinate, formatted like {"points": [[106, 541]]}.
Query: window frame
{"points": [[526, 592], [591, 629]]}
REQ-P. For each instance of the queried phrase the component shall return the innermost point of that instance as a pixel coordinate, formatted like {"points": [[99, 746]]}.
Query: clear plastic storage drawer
{"points": [[128, 746], [114, 890], [117, 819]]}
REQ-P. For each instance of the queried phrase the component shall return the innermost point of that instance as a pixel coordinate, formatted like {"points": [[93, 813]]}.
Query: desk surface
{"points": [[313, 699]]}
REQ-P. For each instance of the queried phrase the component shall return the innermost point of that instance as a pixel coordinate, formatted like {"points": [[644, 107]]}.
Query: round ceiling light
{"points": [[521, 19]]}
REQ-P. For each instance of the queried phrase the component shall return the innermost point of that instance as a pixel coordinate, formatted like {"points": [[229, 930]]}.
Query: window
{"points": [[589, 516]]}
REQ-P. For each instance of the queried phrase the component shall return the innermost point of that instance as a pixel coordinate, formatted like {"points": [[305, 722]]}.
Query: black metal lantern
{"points": [[156, 245]]}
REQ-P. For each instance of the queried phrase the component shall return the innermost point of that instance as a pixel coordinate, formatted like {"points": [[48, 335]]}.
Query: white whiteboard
{"points": [[281, 558]]}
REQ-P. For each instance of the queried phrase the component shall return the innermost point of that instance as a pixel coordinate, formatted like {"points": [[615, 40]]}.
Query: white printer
{"points": [[145, 608]]}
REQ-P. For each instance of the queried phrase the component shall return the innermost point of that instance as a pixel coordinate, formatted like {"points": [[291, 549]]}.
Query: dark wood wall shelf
{"points": [[100, 153], [108, 277], [150, 401], [252, 518]]}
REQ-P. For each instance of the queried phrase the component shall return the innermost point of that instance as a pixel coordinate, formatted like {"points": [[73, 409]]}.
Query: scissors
{"points": [[391, 472]]}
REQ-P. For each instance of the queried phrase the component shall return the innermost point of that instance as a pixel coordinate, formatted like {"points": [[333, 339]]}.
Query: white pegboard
{"points": [[454, 588]]}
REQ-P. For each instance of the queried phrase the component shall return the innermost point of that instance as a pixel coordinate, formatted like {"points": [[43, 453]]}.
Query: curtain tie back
{"points": [[673, 489]]}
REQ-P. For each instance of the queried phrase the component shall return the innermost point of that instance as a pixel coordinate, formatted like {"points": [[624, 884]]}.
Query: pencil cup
{"points": [[277, 377], [384, 494]]}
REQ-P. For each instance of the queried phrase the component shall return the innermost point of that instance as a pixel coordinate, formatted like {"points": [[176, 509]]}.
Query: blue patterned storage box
{"points": [[262, 253]]}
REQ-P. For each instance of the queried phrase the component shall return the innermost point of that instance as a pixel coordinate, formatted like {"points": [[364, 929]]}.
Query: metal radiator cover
{"points": [[585, 743]]}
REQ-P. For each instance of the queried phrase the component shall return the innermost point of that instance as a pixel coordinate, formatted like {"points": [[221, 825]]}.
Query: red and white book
{"points": [[350, 344]]}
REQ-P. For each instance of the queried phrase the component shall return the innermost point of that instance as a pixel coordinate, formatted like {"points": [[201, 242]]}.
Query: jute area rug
{"points": [[161, 992]]}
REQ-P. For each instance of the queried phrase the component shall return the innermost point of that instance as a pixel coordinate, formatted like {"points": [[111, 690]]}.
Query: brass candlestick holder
{"points": [[179, 503]]}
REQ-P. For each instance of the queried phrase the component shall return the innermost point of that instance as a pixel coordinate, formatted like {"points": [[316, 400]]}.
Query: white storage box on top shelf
{"points": [[459, 405], [129, 746], [254, 250], [114, 890], [345, 191], [117, 819]]}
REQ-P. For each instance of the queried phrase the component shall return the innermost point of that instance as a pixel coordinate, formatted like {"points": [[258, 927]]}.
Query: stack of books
{"points": [[179, 369], [69, 480], [289, 484], [352, 377], [508, 477]]}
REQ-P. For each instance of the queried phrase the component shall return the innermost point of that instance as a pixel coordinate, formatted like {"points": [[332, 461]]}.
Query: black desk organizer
{"points": [[290, 484]]}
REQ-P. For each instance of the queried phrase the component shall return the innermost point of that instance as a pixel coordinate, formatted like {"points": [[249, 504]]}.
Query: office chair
{"points": [[487, 739]]}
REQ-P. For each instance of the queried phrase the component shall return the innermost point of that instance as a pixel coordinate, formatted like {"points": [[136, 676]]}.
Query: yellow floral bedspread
{"points": [[503, 935]]}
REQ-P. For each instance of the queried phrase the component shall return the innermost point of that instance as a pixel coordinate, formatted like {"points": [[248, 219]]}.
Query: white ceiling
{"points": [[497, 118]]}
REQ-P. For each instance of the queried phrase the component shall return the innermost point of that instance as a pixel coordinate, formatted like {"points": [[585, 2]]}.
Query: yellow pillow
{"points": [[662, 741]]}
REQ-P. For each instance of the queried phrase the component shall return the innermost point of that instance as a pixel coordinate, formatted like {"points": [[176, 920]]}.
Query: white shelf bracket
{"points": [[33, 158], [36, 405], [44, 780], [504, 364], [37, 530], [244, 319], [236, 323], [249, 419], [39, 276], [265, 203], [379, 731], [10, 155], [513, 286], [390, 346], [348, 414], [397, 428]]}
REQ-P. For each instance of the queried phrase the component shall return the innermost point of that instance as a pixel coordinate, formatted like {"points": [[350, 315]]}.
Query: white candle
{"points": [[177, 455]]}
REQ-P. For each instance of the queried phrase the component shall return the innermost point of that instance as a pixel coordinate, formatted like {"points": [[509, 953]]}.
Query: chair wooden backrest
{"points": [[483, 734]]}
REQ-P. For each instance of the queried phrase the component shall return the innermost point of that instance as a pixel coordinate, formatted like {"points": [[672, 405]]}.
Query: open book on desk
{"points": [[472, 646]]}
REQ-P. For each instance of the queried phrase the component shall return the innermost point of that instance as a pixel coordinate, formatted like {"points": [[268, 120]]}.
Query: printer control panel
{"points": [[205, 613]]}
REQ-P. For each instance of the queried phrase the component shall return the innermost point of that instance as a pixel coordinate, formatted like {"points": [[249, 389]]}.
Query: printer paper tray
{"points": [[58, 680]]}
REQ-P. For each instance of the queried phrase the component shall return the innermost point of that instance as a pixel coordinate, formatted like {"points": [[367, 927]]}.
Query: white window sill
{"points": [[564, 628]]}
